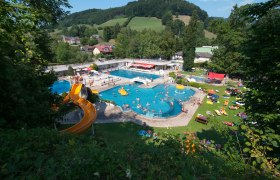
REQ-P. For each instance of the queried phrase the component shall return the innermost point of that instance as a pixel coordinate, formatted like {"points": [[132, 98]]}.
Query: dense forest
{"points": [[148, 8]]}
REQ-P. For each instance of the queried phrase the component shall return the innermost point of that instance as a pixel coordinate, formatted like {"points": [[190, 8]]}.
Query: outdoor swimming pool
{"points": [[60, 86], [160, 101], [132, 74], [198, 78]]}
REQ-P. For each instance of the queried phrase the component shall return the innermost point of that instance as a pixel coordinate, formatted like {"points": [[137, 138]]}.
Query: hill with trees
{"points": [[143, 8]]}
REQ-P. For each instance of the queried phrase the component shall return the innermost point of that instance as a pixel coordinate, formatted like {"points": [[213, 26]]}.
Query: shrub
{"points": [[172, 74], [197, 85], [94, 66]]}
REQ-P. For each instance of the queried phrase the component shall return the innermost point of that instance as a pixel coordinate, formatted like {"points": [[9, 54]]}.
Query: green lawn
{"points": [[197, 72], [141, 23], [113, 22]]}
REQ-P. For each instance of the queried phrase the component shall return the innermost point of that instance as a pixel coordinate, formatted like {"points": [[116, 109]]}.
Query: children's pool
{"points": [[132, 74], [198, 78], [60, 86], [160, 101]]}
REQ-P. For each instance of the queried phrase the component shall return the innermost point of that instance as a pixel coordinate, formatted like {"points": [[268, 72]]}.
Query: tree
{"points": [[178, 27], [261, 69], [24, 52], [190, 41], [167, 18], [63, 52], [84, 41], [230, 35], [116, 30], [70, 71], [107, 33]]}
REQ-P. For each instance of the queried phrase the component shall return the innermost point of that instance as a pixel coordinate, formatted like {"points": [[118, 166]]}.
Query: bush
{"points": [[94, 66], [70, 71], [93, 98], [172, 74], [48, 154], [197, 85]]}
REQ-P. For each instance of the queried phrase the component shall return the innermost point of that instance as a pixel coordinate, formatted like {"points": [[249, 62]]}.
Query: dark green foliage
{"points": [[145, 44], [66, 54], [262, 72], [42, 154], [146, 8], [81, 31], [167, 18], [93, 98], [70, 71], [190, 42], [107, 33], [230, 35], [88, 41], [24, 52], [178, 27]]}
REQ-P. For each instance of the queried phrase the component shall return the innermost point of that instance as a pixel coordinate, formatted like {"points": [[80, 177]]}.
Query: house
{"points": [[102, 49], [95, 36], [178, 56], [87, 48], [204, 53], [71, 40]]}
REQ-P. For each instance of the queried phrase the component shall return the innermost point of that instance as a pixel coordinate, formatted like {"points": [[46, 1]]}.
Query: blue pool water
{"points": [[198, 78], [132, 74], [60, 86], [160, 101]]}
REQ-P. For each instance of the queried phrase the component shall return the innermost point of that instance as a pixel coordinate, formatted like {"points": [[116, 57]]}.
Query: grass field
{"points": [[141, 23], [113, 22], [209, 34]]}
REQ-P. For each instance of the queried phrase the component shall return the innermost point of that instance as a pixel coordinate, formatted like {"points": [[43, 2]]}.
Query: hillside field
{"points": [[113, 22], [141, 23]]}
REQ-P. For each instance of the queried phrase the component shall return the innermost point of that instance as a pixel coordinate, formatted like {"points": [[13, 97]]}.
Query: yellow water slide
{"points": [[88, 108]]}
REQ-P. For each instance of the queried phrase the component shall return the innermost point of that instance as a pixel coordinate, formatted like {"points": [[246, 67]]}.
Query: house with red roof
{"points": [[102, 49]]}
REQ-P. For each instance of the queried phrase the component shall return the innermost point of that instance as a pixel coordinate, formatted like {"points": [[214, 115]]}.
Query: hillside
{"points": [[141, 23], [113, 22], [143, 8], [186, 20]]}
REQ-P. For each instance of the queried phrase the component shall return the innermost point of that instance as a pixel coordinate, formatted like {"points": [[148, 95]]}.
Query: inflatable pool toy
{"points": [[123, 92], [209, 102], [180, 87], [94, 91]]}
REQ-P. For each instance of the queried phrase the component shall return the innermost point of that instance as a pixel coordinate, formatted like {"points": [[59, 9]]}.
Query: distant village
{"points": [[202, 54]]}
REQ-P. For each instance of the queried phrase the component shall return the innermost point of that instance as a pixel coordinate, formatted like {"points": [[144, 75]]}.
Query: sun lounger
{"points": [[209, 102], [218, 112], [223, 111], [202, 119]]}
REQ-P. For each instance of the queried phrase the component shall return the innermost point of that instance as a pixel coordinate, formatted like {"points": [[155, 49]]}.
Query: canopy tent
{"points": [[213, 75], [142, 65]]}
